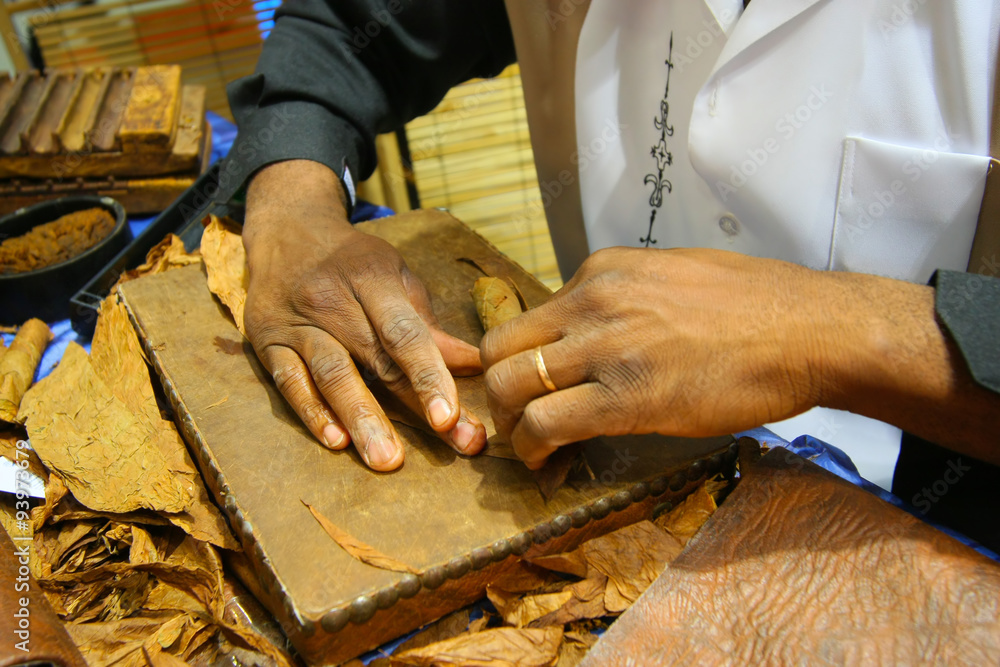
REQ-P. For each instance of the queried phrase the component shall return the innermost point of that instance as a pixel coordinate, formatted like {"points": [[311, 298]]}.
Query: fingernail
{"points": [[381, 452], [463, 434], [333, 437], [439, 411]]}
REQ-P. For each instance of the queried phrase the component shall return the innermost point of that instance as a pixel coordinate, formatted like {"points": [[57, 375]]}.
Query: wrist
{"points": [[293, 200], [880, 342]]}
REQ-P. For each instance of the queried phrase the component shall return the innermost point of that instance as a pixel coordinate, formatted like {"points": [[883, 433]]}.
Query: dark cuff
{"points": [[968, 305], [290, 131]]}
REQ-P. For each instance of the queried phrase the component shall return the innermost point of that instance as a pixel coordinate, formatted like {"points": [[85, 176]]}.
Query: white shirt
{"points": [[838, 134]]}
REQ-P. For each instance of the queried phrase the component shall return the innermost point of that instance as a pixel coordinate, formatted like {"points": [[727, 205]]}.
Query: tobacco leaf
{"points": [[165, 255], [110, 458], [573, 601], [631, 558], [447, 627], [687, 518], [495, 301], [574, 647], [96, 422], [356, 548], [18, 365], [572, 563], [126, 642], [496, 647], [226, 265], [553, 474], [495, 267]]}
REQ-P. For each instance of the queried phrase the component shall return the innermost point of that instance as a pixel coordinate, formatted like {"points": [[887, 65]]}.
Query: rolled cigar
{"points": [[495, 301], [18, 364]]}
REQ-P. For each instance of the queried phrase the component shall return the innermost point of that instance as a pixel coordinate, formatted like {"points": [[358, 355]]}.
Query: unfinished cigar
{"points": [[18, 364], [496, 302]]}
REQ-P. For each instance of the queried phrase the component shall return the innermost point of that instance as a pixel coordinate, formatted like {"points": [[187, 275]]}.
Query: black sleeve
{"points": [[334, 73], [968, 305], [944, 486]]}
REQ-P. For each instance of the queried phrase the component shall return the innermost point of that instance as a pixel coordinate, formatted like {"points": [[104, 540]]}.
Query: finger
{"points": [[337, 379], [461, 358], [294, 382], [407, 340], [571, 415], [532, 328], [468, 437], [514, 382]]}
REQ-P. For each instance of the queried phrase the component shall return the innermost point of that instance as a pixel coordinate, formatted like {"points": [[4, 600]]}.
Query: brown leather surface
{"points": [[261, 463], [33, 626], [800, 567]]}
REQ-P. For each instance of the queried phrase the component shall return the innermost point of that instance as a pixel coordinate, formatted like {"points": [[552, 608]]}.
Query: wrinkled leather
{"points": [[801, 567], [46, 638]]}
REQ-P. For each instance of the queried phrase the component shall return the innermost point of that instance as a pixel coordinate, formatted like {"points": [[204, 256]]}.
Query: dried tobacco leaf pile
{"points": [[55, 241], [126, 545]]}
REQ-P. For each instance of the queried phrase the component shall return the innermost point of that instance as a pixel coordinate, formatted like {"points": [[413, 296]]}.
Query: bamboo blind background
{"points": [[472, 155], [215, 41]]}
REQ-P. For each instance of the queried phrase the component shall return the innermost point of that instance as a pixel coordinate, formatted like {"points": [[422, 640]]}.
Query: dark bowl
{"points": [[45, 293]]}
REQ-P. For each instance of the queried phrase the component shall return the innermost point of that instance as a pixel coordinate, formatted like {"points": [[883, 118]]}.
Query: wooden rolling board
{"points": [[459, 522]]}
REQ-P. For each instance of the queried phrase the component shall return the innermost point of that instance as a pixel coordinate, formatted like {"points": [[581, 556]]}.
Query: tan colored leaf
{"points": [[553, 474], [447, 627], [110, 458], [571, 602], [117, 358], [687, 518], [17, 367], [165, 255], [356, 548], [226, 265], [574, 647], [568, 563], [631, 558], [495, 301], [96, 422], [496, 647]]}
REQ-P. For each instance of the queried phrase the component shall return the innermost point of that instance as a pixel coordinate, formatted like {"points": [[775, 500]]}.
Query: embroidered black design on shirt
{"points": [[660, 152]]}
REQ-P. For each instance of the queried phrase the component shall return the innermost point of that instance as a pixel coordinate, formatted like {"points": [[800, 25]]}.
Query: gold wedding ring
{"points": [[543, 373]]}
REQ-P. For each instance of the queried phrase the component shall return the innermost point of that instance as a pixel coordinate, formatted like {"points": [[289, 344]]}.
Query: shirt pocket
{"points": [[903, 212]]}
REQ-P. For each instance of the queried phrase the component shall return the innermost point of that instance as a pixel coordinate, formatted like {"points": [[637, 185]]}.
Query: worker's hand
{"points": [[323, 296], [678, 342]]}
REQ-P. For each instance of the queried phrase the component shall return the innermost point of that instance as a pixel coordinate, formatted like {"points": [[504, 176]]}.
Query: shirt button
{"points": [[729, 225]]}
